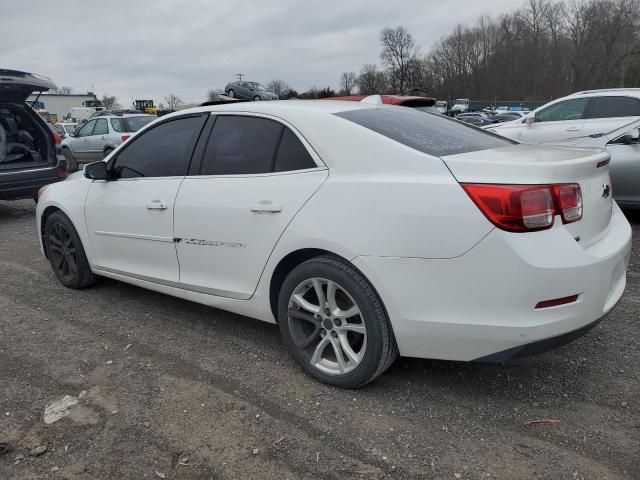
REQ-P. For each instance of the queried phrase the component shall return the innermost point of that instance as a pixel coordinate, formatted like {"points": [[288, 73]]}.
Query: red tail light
{"points": [[526, 208], [57, 138], [124, 137]]}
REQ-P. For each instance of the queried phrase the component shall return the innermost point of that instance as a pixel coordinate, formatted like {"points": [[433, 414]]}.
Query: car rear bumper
{"points": [[482, 305], [24, 183]]}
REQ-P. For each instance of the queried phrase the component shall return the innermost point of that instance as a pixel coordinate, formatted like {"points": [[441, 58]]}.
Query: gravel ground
{"points": [[171, 389]]}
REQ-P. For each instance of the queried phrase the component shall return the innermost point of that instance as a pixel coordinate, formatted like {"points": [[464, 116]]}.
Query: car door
{"points": [[561, 120], [130, 218], [607, 113], [254, 175], [625, 169], [242, 89], [79, 144], [98, 138]]}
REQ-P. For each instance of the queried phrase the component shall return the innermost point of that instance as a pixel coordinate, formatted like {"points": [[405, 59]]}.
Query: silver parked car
{"points": [[624, 146], [100, 136], [249, 90]]}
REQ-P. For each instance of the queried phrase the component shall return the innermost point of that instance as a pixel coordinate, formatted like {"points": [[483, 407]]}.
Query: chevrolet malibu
{"points": [[365, 231]]}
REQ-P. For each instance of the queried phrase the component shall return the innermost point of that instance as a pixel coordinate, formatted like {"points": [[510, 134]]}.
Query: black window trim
{"points": [[585, 113], [112, 162], [198, 156]]}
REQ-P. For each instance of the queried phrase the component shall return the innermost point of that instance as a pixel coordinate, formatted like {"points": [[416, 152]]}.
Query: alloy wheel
{"points": [[62, 252], [327, 326]]}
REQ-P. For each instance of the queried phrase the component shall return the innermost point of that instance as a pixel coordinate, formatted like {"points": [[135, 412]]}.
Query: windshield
{"points": [[257, 86], [440, 103], [432, 134], [462, 101], [136, 123]]}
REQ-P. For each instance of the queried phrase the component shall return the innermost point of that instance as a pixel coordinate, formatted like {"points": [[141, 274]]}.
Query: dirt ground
{"points": [[170, 389]]}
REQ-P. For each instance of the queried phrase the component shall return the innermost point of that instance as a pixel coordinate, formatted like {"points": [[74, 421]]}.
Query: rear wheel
{"points": [[72, 163], [66, 254], [333, 323], [257, 98], [231, 93], [107, 152]]}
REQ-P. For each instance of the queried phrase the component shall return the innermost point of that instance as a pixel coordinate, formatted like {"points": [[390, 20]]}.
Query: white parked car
{"points": [[362, 229], [579, 114], [460, 105]]}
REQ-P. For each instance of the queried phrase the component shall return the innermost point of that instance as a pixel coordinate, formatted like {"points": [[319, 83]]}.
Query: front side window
{"points": [[87, 129], [101, 127], [567, 110], [608, 107], [163, 151], [241, 145], [431, 134]]}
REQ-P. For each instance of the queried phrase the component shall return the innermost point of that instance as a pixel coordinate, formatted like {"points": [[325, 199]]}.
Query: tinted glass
{"points": [[292, 155], [432, 134], [606, 107], [86, 129], [133, 124], [117, 124], [567, 110], [163, 151], [241, 145], [101, 127]]}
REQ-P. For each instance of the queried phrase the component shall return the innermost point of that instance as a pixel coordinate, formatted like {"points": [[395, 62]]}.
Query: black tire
{"points": [[72, 163], [381, 349], [231, 93], [107, 152], [257, 98], [66, 254]]}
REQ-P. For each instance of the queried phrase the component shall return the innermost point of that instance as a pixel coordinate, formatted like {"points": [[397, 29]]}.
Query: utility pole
{"points": [[239, 75]]}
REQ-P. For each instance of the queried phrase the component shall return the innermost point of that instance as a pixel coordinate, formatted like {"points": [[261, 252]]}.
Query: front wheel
{"points": [[231, 93], [334, 324], [257, 98], [66, 253]]}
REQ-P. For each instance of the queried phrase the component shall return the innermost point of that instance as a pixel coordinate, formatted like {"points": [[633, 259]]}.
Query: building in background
{"points": [[60, 105]]}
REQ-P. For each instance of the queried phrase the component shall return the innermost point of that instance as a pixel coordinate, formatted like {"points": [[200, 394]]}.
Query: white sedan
{"points": [[363, 230]]}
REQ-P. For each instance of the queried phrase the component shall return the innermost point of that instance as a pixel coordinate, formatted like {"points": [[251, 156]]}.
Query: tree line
{"points": [[543, 50]]}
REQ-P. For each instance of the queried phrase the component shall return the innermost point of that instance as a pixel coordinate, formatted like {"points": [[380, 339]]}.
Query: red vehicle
{"points": [[422, 103]]}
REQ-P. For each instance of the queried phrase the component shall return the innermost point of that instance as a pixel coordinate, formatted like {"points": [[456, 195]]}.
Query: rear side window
{"points": [[607, 107], [573, 109], [163, 151], [133, 124], [241, 145], [292, 155], [432, 134], [117, 124], [101, 127]]}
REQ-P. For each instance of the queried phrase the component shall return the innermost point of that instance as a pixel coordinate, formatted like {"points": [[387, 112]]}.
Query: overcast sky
{"points": [[149, 49]]}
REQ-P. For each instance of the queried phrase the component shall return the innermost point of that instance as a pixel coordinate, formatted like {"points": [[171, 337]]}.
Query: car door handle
{"points": [[156, 205], [572, 129], [266, 206]]}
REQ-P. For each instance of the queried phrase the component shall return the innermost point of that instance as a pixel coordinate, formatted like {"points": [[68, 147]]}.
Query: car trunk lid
{"points": [[16, 86], [540, 165]]}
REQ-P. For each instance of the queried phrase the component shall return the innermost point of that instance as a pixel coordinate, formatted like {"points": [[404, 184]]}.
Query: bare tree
{"points": [[279, 87], [173, 101], [213, 94], [398, 54], [65, 90], [371, 81], [347, 83], [109, 102]]}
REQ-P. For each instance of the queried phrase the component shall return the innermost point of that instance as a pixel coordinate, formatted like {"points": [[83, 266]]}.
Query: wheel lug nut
{"points": [[337, 322]]}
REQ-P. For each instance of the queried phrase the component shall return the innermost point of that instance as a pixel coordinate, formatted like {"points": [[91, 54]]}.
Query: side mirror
{"points": [[530, 120], [96, 171]]}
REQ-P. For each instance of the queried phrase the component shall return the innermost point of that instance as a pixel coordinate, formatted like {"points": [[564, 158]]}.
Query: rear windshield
{"points": [[136, 123], [435, 135]]}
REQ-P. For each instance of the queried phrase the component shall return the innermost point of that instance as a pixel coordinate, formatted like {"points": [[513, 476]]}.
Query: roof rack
{"points": [[106, 113]]}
